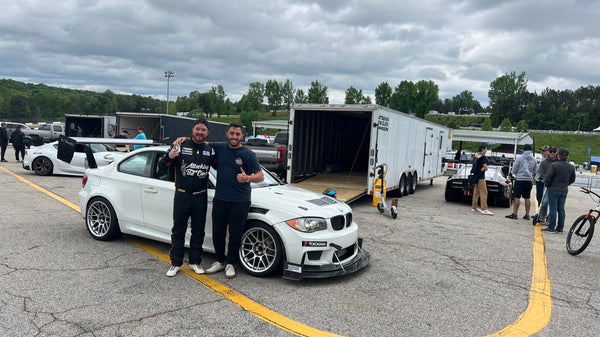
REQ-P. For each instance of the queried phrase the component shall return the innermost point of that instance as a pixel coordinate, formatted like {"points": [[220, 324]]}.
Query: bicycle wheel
{"points": [[580, 235]]}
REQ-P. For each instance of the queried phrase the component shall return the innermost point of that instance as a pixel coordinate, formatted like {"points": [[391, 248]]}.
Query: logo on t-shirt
{"points": [[239, 161]]}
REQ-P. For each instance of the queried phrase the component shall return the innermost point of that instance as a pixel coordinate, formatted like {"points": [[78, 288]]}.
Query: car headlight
{"points": [[307, 225]]}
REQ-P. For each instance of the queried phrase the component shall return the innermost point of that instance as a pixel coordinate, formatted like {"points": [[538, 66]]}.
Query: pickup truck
{"points": [[271, 156], [45, 133]]}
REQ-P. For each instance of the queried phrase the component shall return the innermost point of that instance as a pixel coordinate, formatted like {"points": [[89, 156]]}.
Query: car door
{"points": [[157, 200], [157, 204]]}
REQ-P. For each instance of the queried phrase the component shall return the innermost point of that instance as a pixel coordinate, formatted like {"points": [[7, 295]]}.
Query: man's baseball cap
{"points": [[527, 147], [563, 152], [544, 148], [140, 128]]}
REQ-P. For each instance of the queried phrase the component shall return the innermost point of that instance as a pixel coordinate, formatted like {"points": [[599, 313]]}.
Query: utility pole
{"points": [[168, 74]]}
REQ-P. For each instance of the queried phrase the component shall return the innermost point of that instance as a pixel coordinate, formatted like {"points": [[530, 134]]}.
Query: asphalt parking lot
{"points": [[437, 270]]}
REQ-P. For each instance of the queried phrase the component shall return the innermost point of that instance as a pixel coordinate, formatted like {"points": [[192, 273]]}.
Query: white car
{"points": [[43, 159], [302, 233]]}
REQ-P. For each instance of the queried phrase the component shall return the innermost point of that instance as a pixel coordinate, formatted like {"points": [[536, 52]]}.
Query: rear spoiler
{"points": [[66, 146]]}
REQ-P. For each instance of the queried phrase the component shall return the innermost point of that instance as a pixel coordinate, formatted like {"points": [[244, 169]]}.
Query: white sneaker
{"points": [[197, 268], [229, 271], [475, 210], [215, 267], [486, 212], [173, 271]]}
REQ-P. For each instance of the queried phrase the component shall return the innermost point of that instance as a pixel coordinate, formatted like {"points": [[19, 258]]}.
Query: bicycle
{"points": [[582, 230]]}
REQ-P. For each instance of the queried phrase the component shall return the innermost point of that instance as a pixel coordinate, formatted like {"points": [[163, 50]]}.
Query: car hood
{"points": [[294, 202]]}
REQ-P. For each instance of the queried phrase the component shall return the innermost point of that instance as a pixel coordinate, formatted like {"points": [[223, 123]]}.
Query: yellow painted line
{"points": [[43, 190], [538, 312], [244, 302]]}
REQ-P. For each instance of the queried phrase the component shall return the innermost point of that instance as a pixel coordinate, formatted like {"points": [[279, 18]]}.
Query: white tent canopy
{"points": [[495, 137]]}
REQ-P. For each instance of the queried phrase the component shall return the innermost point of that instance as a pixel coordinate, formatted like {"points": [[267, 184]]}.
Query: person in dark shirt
{"points": [[237, 167], [480, 166], [3, 140], [560, 175], [191, 161], [124, 135], [16, 138]]}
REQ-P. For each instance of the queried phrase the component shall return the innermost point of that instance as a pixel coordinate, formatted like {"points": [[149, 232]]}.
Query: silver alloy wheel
{"points": [[100, 219], [260, 252]]}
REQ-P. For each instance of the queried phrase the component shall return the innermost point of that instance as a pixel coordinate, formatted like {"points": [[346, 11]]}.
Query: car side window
{"points": [[139, 165], [57, 128], [166, 174]]}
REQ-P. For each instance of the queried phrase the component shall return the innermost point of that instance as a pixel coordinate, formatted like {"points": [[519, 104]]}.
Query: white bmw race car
{"points": [[290, 230]]}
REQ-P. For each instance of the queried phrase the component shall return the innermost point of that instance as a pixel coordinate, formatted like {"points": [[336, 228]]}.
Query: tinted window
{"points": [[44, 127], [139, 165], [57, 128]]}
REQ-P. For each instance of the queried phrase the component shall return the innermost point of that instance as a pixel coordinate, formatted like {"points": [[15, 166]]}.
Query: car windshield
{"points": [[270, 179], [102, 148]]}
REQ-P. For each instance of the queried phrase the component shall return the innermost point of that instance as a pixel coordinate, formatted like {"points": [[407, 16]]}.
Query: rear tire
{"points": [[580, 235], [101, 220], [42, 166]]}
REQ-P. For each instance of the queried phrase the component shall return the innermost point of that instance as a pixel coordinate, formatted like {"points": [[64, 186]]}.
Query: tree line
{"points": [[510, 103]]}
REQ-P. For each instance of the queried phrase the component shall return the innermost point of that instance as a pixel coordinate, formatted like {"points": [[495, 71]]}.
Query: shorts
{"points": [[522, 188]]}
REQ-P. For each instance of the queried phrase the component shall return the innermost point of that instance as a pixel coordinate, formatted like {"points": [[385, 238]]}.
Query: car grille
{"points": [[343, 254], [340, 221]]}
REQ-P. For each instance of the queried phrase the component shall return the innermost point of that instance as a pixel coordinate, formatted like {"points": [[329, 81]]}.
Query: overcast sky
{"points": [[127, 45]]}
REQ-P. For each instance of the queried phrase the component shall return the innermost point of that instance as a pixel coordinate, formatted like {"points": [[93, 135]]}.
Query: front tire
{"points": [[580, 235], [261, 250], [42, 166], [101, 220], [403, 188]]}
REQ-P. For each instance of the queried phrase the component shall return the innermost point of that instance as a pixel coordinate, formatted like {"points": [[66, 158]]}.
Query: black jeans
{"points": [[21, 150], [3, 147], [186, 205], [233, 213]]}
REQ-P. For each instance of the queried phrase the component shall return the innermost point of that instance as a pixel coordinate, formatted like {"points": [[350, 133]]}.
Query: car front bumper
{"points": [[361, 259]]}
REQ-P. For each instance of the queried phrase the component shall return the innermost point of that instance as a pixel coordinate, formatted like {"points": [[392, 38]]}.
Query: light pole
{"points": [[168, 75]]}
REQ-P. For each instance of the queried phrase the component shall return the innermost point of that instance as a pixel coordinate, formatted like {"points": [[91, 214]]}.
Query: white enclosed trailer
{"points": [[341, 146]]}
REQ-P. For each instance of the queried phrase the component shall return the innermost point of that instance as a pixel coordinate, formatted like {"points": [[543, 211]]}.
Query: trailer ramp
{"points": [[348, 187]]}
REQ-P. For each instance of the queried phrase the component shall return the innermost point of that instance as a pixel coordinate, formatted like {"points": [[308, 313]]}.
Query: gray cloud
{"points": [[126, 45]]}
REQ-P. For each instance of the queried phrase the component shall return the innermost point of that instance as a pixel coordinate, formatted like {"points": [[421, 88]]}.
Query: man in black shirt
{"points": [[191, 162]]}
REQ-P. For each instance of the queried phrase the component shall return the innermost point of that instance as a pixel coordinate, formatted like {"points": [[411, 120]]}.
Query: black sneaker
{"points": [[4, 161], [526, 217], [512, 216], [557, 231], [549, 230]]}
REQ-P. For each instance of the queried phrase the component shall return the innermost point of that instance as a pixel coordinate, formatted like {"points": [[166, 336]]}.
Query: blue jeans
{"points": [[543, 209], [556, 202], [539, 191]]}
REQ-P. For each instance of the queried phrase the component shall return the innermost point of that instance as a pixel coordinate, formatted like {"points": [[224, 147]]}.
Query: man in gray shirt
{"points": [[524, 170]]}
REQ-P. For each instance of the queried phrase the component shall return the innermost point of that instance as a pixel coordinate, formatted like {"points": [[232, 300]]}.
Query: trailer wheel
{"points": [[413, 185], [403, 188]]}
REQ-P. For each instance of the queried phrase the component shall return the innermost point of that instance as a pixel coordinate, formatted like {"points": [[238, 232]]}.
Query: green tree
{"points": [[255, 97], [288, 93], [355, 96], [507, 94], [506, 125], [216, 98], [383, 94], [273, 92], [300, 97], [487, 125], [403, 98], [522, 126], [317, 93], [427, 94], [247, 117]]}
